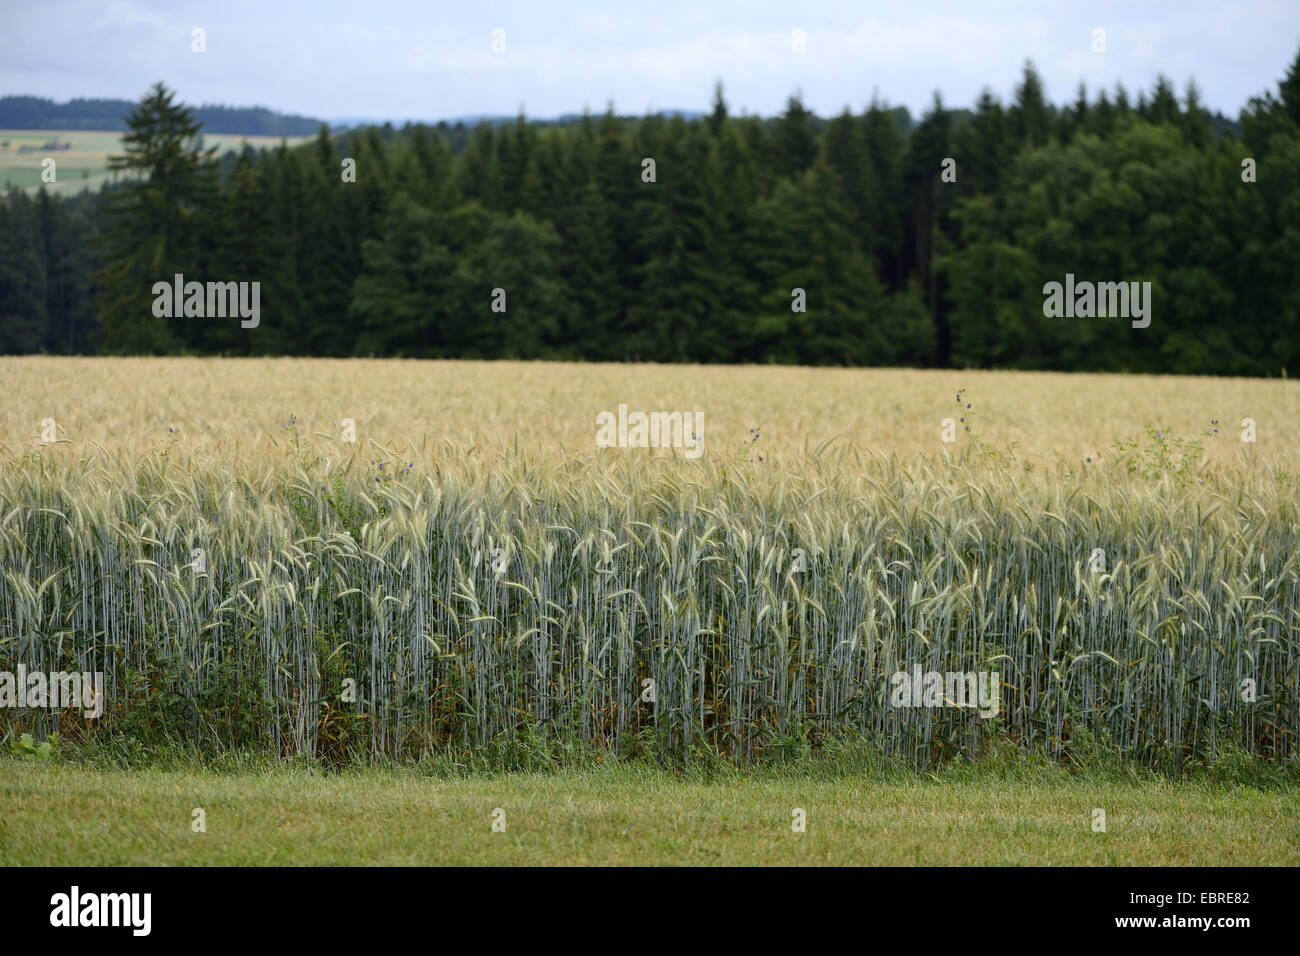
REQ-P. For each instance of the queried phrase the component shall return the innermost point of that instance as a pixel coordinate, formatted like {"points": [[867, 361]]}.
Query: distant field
{"points": [[231, 410], [85, 164]]}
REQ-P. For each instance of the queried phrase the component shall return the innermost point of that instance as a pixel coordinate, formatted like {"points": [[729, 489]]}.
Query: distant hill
{"points": [[474, 119], [34, 112]]}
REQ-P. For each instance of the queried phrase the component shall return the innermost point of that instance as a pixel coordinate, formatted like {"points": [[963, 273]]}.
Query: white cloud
{"points": [[407, 59]]}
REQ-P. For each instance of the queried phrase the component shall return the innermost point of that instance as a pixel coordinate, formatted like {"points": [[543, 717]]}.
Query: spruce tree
{"points": [[1289, 90], [153, 223]]}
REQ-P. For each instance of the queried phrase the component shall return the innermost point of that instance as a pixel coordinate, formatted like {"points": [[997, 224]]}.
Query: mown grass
{"points": [[996, 813]]}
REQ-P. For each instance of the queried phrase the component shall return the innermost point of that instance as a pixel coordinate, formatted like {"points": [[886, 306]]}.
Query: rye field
{"points": [[345, 561]]}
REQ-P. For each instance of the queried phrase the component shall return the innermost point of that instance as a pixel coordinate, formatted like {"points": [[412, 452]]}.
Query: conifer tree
{"points": [[153, 218]]}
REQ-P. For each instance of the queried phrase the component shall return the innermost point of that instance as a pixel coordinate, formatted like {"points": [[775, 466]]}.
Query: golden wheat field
{"points": [[234, 408], [1100, 564]]}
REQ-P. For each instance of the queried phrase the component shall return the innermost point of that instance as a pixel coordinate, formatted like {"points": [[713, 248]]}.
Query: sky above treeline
{"points": [[435, 59]]}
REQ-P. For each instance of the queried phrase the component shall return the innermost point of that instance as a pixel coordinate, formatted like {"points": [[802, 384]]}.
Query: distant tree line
{"points": [[34, 112], [895, 261]]}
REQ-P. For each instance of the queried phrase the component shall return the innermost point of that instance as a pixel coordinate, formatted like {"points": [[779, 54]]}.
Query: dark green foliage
{"points": [[899, 265], [157, 222]]}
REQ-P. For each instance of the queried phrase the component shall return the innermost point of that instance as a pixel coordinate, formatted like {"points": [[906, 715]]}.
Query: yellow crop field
{"points": [[83, 164], [343, 558], [233, 409]]}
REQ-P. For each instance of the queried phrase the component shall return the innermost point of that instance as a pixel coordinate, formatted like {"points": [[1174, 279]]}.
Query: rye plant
{"points": [[471, 602]]}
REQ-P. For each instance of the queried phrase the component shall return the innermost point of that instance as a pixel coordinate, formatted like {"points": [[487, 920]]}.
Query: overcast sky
{"points": [[429, 59]]}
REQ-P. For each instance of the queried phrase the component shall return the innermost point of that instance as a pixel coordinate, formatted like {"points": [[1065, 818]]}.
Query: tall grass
{"points": [[624, 570]]}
